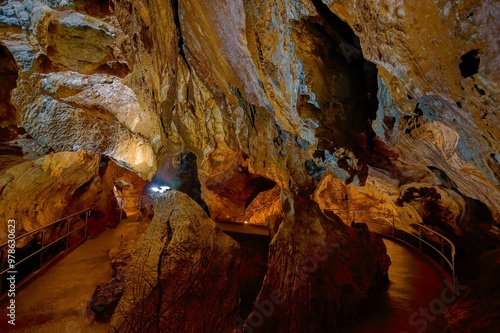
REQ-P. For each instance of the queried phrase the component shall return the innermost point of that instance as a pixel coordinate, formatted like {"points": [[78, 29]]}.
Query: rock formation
{"points": [[182, 276], [320, 272], [387, 106], [66, 183]]}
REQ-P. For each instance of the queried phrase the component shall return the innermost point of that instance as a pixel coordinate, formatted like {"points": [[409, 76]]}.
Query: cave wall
{"points": [[370, 93], [284, 91], [386, 105]]}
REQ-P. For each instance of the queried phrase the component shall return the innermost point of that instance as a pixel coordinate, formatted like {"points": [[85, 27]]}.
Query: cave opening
{"points": [[470, 63], [254, 259], [345, 87], [241, 191], [181, 173], [8, 81], [96, 8]]}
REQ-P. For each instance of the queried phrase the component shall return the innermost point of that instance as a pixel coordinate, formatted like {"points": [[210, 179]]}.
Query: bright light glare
{"points": [[162, 189]]}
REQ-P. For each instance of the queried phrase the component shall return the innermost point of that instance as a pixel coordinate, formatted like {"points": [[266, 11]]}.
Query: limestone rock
{"points": [[49, 187], [70, 112], [265, 205], [74, 41], [437, 146], [182, 275], [319, 272], [8, 19], [8, 71], [436, 71], [388, 106], [105, 299]]}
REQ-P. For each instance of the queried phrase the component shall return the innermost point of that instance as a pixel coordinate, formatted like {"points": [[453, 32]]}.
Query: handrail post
{"points": [[67, 233], [420, 238], [442, 252], [453, 273], [86, 222], [41, 249], [2, 263], [393, 226]]}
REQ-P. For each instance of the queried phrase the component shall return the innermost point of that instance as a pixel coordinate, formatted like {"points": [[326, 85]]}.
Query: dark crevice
{"points": [[250, 110], [95, 8], [83, 188], [242, 188], [259, 185], [339, 26], [253, 268], [8, 81], [346, 109], [479, 90], [159, 280], [470, 63], [175, 4]]}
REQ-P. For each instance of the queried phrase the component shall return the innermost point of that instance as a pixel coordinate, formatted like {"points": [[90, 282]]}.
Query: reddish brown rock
{"points": [[320, 272], [477, 308]]}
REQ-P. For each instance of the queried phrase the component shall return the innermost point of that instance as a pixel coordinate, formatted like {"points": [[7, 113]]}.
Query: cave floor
{"points": [[415, 283], [56, 301]]}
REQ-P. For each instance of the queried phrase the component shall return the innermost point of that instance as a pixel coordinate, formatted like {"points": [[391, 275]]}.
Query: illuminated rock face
{"points": [[270, 87], [371, 105]]}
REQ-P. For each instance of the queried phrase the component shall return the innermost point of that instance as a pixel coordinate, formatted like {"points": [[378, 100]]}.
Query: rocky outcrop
{"points": [[49, 187], [70, 112], [36, 193], [74, 41], [272, 91], [320, 272], [183, 275], [71, 109]]}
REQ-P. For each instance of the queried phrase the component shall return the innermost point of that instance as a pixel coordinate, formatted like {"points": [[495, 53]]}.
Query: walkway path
{"points": [[243, 228], [414, 283], [57, 300]]}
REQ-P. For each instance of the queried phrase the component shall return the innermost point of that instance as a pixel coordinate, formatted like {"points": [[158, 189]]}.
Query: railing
{"points": [[122, 203], [444, 247], [39, 254]]}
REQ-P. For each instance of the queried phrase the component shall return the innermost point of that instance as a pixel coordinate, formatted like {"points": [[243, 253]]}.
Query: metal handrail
{"points": [[46, 226], [138, 206], [42, 245], [450, 261]]}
